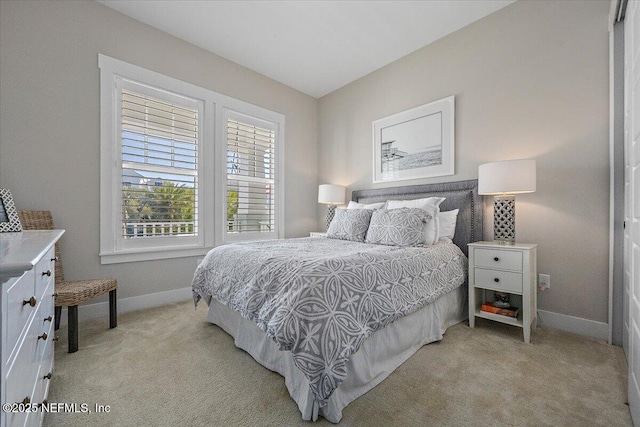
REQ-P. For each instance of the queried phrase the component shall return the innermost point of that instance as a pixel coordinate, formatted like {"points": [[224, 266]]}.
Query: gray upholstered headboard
{"points": [[461, 195]]}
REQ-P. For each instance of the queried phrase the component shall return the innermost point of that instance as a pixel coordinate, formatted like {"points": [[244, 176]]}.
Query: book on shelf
{"points": [[503, 311]]}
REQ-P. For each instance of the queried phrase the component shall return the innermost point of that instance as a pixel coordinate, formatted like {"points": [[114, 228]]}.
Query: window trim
{"points": [[211, 170]]}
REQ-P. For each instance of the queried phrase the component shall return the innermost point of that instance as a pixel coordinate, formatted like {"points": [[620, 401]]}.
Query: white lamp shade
{"points": [[330, 194], [507, 177]]}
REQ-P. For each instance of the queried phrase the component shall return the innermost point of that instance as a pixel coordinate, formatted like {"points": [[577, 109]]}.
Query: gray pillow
{"points": [[397, 227], [350, 224]]}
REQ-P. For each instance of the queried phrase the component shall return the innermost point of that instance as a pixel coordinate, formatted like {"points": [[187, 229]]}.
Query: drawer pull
{"points": [[48, 319], [31, 301], [26, 400], [47, 377], [496, 280], [47, 273], [54, 259], [43, 336], [496, 259]]}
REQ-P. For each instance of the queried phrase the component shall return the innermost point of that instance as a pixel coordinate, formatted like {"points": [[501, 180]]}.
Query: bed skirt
{"points": [[383, 352]]}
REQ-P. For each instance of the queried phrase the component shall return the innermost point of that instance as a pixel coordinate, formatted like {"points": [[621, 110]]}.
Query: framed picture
{"points": [[9, 220], [414, 144]]}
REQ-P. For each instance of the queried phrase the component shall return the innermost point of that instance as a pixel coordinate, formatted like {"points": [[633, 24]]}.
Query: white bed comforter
{"points": [[321, 298]]}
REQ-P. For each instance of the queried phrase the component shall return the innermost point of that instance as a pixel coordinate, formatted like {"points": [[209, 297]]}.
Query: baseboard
{"points": [[576, 325], [101, 309]]}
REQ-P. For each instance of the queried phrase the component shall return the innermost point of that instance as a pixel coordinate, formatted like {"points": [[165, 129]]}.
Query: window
{"points": [[158, 142], [251, 183], [182, 168]]}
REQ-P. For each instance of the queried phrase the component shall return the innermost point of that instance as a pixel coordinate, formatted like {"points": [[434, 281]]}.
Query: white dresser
{"points": [[27, 268]]}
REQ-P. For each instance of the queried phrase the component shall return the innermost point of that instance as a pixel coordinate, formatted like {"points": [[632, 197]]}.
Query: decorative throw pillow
{"points": [[431, 205], [397, 227], [373, 206], [350, 224], [447, 224]]}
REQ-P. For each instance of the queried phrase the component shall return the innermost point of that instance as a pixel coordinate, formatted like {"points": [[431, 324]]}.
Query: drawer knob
{"points": [[496, 280], [31, 301], [26, 400], [43, 336], [47, 273], [496, 259], [47, 377], [55, 339], [54, 259], [48, 319]]}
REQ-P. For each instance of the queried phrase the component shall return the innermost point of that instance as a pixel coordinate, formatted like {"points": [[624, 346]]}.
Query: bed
{"points": [[302, 307]]}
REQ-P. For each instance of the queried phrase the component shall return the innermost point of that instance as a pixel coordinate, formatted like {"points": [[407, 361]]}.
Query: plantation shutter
{"points": [[159, 152], [251, 174]]}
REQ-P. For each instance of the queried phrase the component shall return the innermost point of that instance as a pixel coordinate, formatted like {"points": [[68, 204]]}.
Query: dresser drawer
{"points": [[22, 376], [497, 280], [17, 314], [45, 270], [43, 326], [42, 387], [496, 258]]}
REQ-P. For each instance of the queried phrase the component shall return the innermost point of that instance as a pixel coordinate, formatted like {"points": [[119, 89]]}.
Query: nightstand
{"points": [[318, 234], [504, 268]]}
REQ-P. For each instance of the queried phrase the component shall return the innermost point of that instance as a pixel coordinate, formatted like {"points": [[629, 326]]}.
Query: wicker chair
{"points": [[71, 293]]}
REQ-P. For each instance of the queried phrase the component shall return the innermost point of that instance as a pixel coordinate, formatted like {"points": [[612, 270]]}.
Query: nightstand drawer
{"points": [[496, 258], [498, 280]]}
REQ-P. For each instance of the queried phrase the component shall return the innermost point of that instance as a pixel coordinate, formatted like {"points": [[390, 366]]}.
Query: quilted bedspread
{"points": [[321, 298]]}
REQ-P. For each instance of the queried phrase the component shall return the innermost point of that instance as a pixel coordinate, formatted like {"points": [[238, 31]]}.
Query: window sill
{"points": [[152, 254]]}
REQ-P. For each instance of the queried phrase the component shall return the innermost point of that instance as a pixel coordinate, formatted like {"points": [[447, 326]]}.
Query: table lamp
{"points": [[331, 195], [503, 180]]}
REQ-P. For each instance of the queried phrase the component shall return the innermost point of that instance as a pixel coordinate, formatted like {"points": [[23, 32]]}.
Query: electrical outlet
{"points": [[544, 281]]}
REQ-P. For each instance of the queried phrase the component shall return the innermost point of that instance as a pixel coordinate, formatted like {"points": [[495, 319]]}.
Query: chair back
{"points": [[42, 220]]}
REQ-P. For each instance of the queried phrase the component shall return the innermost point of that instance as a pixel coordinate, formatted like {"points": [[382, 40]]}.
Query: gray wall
{"points": [[49, 130], [531, 81]]}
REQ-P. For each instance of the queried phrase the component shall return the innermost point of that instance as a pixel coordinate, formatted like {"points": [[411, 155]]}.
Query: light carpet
{"points": [[168, 366]]}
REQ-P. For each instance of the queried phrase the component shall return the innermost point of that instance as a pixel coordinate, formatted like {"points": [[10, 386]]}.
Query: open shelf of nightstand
{"points": [[485, 294]]}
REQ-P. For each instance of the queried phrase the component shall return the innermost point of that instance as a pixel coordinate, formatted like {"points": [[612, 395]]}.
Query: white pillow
{"points": [[429, 204], [447, 224], [356, 205]]}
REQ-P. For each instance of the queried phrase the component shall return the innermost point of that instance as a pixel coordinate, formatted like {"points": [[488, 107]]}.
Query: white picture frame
{"points": [[416, 143], [9, 219]]}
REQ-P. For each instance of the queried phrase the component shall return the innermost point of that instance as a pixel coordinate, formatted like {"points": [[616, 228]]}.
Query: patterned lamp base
{"points": [[331, 211], [504, 219]]}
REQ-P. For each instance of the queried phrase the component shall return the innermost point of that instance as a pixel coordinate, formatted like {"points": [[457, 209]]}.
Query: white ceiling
{"points": [[313, 46]]}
